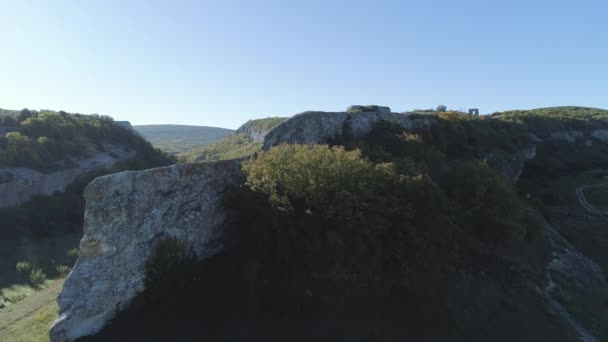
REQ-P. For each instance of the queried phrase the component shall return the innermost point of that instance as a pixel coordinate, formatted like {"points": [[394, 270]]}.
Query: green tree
{"points": [[9, 121]]}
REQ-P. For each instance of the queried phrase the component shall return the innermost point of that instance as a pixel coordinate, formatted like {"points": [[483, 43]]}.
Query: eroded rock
{"points": [[320, 127], [24, 183], [125, 215]]}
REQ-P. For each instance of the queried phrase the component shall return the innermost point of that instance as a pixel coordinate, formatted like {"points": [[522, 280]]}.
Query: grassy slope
{"points": [[181, 138], [559, 118], [234, 146], [30, 319]]}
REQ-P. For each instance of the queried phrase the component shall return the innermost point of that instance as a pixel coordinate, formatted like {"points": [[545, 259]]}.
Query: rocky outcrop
{"points": [[258, 129], [24, 183], [566, 136], [255, 134], [600, 134], [512, 167], [321, 127], [125, 215], [125, 125]]}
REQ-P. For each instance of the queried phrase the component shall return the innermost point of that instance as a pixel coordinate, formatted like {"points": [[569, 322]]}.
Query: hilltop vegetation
{"points": [[175, 139], [48, 140], [233, 146], [544, 120]]}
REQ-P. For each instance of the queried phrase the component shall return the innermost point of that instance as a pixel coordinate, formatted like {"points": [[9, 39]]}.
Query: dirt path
{"points": [[29, 305]]}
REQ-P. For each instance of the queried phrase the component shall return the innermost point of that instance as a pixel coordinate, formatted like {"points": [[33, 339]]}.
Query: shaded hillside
{"points": [[176, 139]]}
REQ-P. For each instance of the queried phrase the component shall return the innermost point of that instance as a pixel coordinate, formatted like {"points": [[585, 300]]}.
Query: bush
{"points": [[23, 267], [37, 277], [486, 204], [335, 211], [63, 270], [72, 253]]}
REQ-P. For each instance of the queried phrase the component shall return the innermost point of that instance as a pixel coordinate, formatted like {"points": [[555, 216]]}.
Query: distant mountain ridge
{"points": [[175, 139]]}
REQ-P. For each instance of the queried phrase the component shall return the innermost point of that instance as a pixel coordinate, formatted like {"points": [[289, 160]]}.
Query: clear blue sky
{"points": [[219, 63]]}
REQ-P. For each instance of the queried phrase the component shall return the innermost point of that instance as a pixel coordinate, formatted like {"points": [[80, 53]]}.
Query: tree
{"points": [[442, 108], [359, 216], [24, 114], [9, 121]]}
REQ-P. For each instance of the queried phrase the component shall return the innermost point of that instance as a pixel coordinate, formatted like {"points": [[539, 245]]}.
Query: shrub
{"points": [[335, 211], [63, 270], [23, 267], [72, 253], [37, 277], [486, 203]]}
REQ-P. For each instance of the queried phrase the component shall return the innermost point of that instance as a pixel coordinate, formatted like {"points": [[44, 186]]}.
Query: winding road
{"points": [[583, 200]]}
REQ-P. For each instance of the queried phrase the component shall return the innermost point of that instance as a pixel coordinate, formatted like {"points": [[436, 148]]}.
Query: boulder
{"points": [[126, 214]]}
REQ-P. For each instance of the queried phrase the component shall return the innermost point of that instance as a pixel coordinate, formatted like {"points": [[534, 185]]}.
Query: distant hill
{"points": [[175, 139], [247, 140]]}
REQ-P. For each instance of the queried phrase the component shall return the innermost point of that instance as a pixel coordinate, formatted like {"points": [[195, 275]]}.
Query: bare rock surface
{"points": [[125, 215], [24, 183], [320, 127], [600, 134]]}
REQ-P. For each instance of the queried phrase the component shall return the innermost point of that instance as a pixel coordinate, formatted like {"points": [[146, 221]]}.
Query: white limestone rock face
{"points": [[307, 128], [600, 134], [256, 135], [320, 127], [126, 214], [25, 183], [513, 167], [566, 136]]}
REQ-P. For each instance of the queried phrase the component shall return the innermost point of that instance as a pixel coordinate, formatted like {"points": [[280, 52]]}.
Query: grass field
{"points": [[29, 320]]}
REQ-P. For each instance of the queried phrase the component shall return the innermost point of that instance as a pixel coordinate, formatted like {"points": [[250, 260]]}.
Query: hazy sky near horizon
{"points": [[219, 63]]}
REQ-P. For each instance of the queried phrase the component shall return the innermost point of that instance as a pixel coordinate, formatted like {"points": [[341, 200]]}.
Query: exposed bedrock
{"points": [[125, 215]]}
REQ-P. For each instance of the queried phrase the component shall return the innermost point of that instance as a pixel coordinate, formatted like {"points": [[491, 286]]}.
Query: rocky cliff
{"points": [[321, 127], [257, 130], [125, 215], [20, 183]]}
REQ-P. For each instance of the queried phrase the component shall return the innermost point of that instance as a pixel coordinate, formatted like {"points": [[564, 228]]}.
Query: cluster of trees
{"points": [[44, 139], [321, 211]]}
